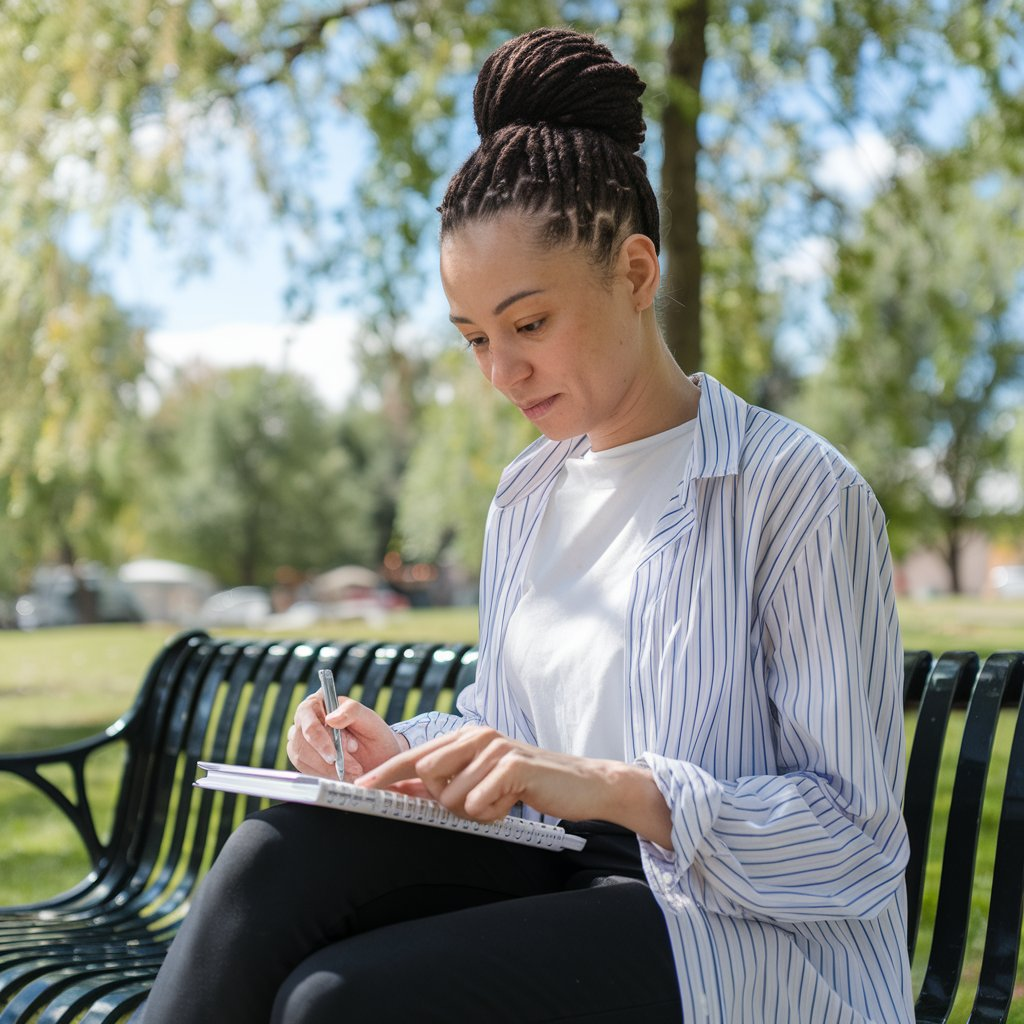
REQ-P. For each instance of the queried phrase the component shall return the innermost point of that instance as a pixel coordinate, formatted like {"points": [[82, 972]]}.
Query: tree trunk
{"points": [[85, 600], [680, 295], [953, 559]]}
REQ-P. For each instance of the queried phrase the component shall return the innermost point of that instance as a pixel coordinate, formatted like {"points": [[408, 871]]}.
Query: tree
{"points": [[71, 363], [926, 380], [465, 438], [251, 478]]}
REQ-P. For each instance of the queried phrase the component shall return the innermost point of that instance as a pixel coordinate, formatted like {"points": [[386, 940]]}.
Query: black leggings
{"points": [[312, 916]]}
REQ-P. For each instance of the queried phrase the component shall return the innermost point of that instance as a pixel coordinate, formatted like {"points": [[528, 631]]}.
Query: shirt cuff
{"points": [[694, 798]]}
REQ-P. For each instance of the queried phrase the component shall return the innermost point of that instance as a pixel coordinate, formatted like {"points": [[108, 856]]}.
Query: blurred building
{"points": [[167, 591], [984, 566]]}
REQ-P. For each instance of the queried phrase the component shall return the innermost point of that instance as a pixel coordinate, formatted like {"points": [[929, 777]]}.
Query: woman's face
{"points": [[559, 338]]}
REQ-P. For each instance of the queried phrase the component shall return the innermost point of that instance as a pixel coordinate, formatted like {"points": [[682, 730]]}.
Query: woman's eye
{"points": [[476, 342], [531, 327]]}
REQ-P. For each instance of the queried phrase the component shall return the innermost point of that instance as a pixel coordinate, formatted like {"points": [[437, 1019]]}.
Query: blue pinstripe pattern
{"points": [[764, 669]]}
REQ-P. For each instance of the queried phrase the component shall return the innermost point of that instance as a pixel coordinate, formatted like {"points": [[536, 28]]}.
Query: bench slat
{"points": [[1006, 909], [952, 674]]}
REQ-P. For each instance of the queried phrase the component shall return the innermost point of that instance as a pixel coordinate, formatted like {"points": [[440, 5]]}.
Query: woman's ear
{"points": [[638, 262]]}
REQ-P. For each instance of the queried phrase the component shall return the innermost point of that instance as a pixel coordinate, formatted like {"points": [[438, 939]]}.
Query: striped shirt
{"points": [[764, 666]]}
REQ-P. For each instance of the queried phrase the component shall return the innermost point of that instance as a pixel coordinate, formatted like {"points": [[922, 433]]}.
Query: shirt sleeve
{"points": [[824, 837], [436, 723]]}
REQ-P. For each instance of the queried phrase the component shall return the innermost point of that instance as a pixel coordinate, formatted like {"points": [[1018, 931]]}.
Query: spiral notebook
{"points": [[295, 787]]}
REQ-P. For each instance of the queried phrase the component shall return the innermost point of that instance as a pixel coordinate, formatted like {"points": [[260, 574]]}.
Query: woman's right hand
{"points": [[368, 741]]}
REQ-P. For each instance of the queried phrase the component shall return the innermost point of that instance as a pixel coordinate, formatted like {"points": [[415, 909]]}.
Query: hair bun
{"points": [[561, 78]]}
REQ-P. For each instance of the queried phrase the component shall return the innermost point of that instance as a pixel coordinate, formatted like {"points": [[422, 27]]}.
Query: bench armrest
{"points": [[76, 807]]}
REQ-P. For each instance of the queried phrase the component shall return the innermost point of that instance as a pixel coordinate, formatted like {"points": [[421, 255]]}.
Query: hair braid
{"points": [[560, 126]]}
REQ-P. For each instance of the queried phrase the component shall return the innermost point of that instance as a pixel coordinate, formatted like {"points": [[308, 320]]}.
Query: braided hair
{"points": [[560, 127]]}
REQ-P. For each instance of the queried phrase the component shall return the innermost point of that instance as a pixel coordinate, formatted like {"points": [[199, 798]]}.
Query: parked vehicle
{"points": [[63, 595], [1008, 580], [240, 606]]}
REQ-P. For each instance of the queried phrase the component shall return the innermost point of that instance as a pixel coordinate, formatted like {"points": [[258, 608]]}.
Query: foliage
{"points": [[466, 437], [252, 478], [70, 365], [805, 112], [926, 381], [104, 103], [377, 450]]}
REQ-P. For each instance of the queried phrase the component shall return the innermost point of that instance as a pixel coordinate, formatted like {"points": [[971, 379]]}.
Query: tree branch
{"points": [[309, 39]]}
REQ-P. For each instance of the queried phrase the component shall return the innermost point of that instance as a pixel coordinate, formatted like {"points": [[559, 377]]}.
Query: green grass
{"points": [[60, 685], [984, 625]]}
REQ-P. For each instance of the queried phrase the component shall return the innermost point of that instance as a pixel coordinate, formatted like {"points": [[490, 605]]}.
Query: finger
{"points": [[462, 777], [312, 707], [400, 766], [395, 769], [412, 787], [353, 769], [350, 714], [317, 736], [310, 764], [492, 799]]}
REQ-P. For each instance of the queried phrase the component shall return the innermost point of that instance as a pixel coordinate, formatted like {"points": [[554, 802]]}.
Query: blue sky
{"points": [[233, 312]]}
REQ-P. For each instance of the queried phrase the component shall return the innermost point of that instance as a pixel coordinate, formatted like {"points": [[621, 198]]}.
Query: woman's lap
{"points": [[582, 955], [332, 909]]}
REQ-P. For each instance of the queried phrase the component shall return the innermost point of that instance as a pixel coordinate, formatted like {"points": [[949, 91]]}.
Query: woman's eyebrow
{"points": [[505, 303], [500, 307]]}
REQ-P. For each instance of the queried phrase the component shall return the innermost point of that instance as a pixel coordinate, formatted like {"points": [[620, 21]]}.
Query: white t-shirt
{"points": [[565, 641]]}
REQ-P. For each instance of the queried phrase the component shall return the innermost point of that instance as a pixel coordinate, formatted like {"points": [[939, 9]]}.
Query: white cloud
{"points": [[810, 259], [858, 168], [321, 350]]}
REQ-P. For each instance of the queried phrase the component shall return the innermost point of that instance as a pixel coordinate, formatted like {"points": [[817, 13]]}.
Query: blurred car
{"points": [[372, 606], [239, 606], [300, 615], [1008, 580], [66, 596], [36, 610]]}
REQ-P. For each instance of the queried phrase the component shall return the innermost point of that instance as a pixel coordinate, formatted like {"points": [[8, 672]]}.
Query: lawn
{"points": [[62, 684]]}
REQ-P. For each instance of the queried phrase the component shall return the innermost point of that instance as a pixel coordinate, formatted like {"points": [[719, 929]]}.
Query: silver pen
{"points": [[331, 704]]}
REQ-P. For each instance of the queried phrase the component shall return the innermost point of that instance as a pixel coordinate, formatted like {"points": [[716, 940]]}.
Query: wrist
{"points": [[636, 803]]}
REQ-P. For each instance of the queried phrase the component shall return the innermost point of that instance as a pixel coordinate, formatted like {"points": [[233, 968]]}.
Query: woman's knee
{"points": [[329, 986]]}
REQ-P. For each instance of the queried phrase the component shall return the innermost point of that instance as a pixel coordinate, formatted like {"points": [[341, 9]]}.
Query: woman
{"points": [[689, 653]]}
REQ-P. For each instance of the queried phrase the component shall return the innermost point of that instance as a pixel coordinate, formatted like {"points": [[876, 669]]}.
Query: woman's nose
{"points": [[507, 366]]}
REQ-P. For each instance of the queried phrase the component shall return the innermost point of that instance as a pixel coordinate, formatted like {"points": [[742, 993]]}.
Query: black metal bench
{"points": [[90, 955]]}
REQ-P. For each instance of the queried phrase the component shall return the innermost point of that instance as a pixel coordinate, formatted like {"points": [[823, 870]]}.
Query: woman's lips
{"points": [[535, 412]]}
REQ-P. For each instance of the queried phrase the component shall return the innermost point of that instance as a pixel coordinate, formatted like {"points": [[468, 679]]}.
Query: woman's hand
{"points": [[366, 738], [478, 773]]}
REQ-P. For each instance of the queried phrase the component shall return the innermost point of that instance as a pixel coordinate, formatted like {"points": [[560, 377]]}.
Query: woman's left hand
{"points": [[478, 773]]}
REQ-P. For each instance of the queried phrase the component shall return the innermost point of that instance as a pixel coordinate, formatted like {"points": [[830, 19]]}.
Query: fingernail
{"points": [[352, 744], [331, 758]]}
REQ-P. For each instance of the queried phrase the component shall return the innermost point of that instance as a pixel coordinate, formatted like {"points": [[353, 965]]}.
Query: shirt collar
{"points": [[717, 441], [721, 426]]}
